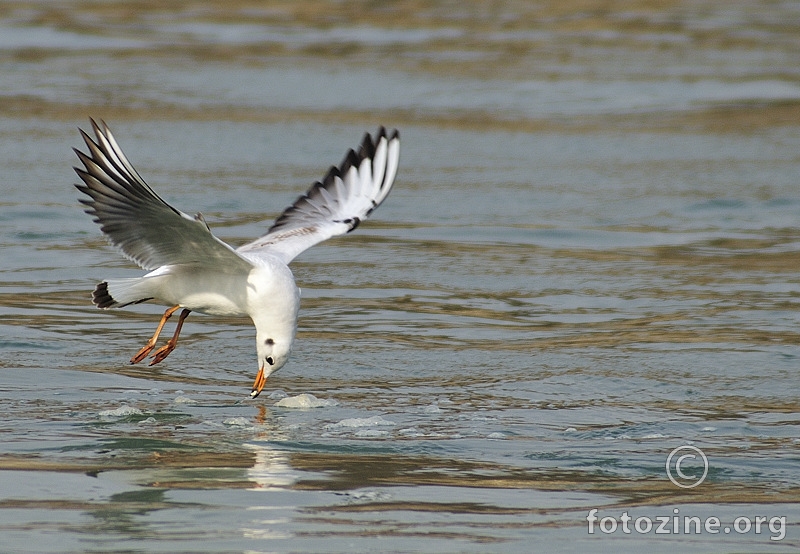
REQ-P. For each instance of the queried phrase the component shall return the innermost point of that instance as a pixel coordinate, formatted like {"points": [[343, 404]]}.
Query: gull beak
{"points": [[258, 384]]}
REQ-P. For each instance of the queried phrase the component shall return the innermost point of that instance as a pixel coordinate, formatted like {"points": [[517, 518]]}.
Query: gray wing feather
{"points": [[135, 219], [336, 205]]}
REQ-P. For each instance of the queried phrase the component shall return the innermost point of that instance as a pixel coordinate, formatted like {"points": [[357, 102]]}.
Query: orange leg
{"points": [[258, 384], [142, 354], [164, 351]]}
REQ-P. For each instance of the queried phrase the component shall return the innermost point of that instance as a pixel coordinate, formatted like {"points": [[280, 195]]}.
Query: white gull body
{"points": [[192, 269]]}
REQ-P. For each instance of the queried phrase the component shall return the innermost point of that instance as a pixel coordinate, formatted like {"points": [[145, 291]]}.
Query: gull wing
{"points": [[146, 229], [336, 205]]}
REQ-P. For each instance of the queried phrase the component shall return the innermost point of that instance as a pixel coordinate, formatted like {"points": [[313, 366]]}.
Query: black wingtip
{"points": [[86, 138], [101, 297], [351, 159], [315, 199], [367, 149], [389, 134], [99, 127], [95, 126]]}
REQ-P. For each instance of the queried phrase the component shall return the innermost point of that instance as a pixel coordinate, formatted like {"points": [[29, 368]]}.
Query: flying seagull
{"points": [[190, 268]]}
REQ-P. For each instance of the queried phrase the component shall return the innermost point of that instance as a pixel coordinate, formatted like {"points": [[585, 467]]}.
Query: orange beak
{"points": [[258, 384]]}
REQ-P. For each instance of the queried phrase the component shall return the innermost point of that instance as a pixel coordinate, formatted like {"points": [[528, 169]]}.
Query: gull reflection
{"points": [[271, 469]]}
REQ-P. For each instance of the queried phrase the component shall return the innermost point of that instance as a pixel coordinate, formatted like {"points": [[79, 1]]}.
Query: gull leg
{"points": [[258, 384], [142, 354], [164, 351]]}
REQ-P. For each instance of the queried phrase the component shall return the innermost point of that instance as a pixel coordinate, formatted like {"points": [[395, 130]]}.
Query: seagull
{"points": [[191, 269]]}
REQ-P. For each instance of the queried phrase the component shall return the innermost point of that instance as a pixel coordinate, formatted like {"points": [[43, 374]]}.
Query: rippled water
{"points": [[589, 259]]}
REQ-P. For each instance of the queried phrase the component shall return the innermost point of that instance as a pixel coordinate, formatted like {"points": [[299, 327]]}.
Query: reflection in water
{"points": [[124, 513], [272, 468]]}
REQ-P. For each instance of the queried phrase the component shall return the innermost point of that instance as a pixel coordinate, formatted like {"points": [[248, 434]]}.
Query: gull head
{"points": [[273, 346], [273, 353], [273, 302]]}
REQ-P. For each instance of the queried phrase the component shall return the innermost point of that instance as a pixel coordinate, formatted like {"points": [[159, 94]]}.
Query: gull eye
{"points": [[270, 361]]}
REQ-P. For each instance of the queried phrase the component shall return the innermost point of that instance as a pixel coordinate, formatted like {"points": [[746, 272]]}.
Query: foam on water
{"points": [[238, 422], [122, 411], [357, 422], [304, 401]]}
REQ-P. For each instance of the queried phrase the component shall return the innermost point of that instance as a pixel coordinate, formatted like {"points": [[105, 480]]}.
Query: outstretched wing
{"points": [[337, 204], [148, 230]]}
